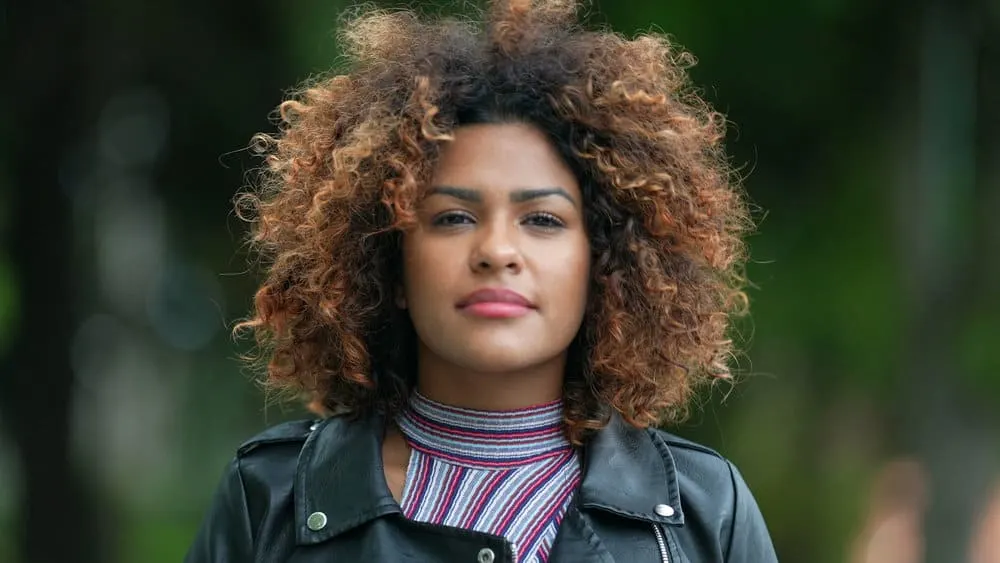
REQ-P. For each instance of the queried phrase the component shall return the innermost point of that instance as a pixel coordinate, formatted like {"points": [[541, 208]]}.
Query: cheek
{"points": [[572, 275], [411, 267], [582, 277], [425, 265]]}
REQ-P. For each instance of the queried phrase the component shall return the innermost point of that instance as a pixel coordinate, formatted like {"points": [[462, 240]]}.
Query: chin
{"points": [[496, 349], [497, 364], [496, 358]]}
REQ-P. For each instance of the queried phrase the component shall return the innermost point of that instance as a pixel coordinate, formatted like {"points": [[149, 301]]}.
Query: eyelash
{"points": [[550, 220]]}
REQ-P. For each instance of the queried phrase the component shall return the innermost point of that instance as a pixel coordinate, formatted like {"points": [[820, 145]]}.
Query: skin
{"points": [[503, 211]]}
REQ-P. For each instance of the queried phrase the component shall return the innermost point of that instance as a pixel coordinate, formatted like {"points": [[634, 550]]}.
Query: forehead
{"points": [[502, 156]]}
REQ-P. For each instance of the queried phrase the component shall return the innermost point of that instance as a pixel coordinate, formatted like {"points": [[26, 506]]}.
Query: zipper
{"points": [[661, 542]]}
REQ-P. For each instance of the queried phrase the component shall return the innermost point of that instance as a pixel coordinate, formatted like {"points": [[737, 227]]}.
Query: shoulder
{"points": [[683, 445], [265, 466], [708, 482], [291, 433], [255, 488], [267, 462], [697, 465], [715, 493]]}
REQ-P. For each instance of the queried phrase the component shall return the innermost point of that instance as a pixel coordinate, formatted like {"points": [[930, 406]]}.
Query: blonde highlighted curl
{"points": [[664, 215]]}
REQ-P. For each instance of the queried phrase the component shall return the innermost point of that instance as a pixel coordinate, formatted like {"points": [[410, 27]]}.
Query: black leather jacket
{"points": [[304, 492]]}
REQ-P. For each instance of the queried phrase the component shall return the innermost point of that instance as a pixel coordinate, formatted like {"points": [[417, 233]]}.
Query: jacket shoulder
{"points": [[717, 496], [257, 483], [701, 471], [291, 432], [692, 452]]}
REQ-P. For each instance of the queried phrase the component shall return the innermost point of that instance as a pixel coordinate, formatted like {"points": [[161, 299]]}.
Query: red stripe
{"points": [[484, 463], [414, 500], [449, 496], [516, 507], [484, 500], [520, 413], [554, 513], [448, 431], [479, 497]]}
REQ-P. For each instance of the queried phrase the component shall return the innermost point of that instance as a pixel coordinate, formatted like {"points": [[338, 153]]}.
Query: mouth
{"points": [[495, 303]]}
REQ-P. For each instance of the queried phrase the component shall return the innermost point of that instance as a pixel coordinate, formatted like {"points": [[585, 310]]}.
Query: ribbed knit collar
{"points": [[485, 439]]}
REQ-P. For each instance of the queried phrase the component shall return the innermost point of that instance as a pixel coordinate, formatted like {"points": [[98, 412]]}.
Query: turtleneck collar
{"points": [[484, 439]]}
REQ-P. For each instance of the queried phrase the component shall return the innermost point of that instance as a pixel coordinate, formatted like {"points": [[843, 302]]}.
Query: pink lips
{"points": [[495, 303]]}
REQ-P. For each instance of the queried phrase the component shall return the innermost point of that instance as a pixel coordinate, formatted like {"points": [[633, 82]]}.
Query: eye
{"points": [[452, 219], [544, 220]]}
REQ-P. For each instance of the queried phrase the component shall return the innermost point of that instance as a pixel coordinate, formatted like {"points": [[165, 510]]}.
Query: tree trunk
{"points": [[936, 201], [56, 516]]}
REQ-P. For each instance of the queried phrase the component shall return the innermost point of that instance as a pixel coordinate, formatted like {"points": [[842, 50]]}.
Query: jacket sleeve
{"points": [[749, 540], [225, 533]]}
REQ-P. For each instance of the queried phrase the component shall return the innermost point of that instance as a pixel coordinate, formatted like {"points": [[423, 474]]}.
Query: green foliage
{"points": [[9, 303], [978, 349], [7, 542], [157, 537], [310, 32]]}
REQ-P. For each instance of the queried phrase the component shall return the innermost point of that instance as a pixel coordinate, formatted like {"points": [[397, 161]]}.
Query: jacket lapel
{"points": [[577, 542], [630, 472], [340, 477]]}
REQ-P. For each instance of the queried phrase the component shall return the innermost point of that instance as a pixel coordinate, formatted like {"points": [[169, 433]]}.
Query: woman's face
{"points": [[496, 270]]}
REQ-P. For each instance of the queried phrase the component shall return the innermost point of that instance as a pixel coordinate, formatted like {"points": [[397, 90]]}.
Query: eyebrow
{"points": [[517, 196]]}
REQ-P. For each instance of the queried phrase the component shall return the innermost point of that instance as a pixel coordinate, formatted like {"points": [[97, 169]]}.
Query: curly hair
{"points": [[353, 151]]}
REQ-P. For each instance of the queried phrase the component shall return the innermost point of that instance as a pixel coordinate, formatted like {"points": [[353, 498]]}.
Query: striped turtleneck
{"points": [[507, 473]]}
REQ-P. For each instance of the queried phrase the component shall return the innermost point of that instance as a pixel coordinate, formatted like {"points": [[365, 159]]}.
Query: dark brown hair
{"points": [[664, 217]]}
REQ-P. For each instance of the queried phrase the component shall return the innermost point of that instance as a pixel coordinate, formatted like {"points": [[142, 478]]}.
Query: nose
{"points": [[496, 249]]}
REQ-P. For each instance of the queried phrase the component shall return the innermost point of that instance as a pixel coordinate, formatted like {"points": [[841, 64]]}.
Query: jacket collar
{"points": [[340, 476], [630, 472], [626, 471]]}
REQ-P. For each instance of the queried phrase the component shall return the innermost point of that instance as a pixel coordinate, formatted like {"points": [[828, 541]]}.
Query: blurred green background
{"points": [[868, 417]]}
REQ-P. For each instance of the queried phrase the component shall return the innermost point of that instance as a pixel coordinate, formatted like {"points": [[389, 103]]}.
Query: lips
{"points": [[495, 304], [495, 295]]}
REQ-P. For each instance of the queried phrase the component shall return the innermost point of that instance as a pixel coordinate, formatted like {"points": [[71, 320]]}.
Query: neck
{"points": [[490, 391]]}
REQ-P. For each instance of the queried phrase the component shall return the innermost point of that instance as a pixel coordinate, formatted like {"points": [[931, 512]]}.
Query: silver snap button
{"points": [[485, 555], [312, 427], [316, 521], [664, 510]]}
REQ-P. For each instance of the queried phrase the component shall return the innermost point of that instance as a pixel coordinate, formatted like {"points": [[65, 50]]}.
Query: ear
{"points": [[400, 298]]}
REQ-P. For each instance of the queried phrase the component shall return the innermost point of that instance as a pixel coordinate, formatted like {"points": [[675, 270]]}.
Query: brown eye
{"points": [[544, 220], [452, 219]]}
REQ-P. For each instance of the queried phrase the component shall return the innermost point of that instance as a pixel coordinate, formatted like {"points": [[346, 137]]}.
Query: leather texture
{"points": [[332, 471]]}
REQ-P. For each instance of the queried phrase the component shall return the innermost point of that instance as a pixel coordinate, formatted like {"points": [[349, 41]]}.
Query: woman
{"points": [[498, 255]]}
